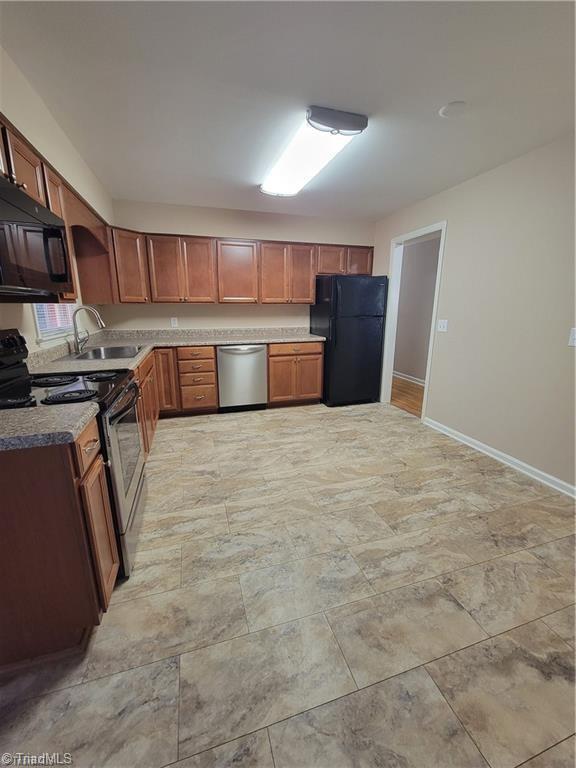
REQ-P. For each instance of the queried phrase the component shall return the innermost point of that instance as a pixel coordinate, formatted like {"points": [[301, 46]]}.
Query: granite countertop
{"points": [[57, 424], [44, 425], [165, 338]]}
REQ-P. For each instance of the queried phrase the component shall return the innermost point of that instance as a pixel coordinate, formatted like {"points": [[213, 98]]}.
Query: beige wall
{"points": [[126, 317], [504, 373], [220, 222], [27, 111], [419, 266]]}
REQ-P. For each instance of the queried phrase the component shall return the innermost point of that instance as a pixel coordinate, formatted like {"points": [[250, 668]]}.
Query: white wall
{"points": [[415, 305], [504, 373], [23, 106], [220, 222]]}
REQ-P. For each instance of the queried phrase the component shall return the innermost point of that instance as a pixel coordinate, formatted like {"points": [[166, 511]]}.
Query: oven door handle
{"points": [[115, 416]]}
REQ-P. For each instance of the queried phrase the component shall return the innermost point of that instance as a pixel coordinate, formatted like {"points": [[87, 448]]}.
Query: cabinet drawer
{"points": [[195, 353], [199, 397], [194, 379], [87, 447], [196, 366], [296, 348]]}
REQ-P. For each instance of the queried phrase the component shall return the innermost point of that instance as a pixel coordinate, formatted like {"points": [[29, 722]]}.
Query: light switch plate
{"points": [[442, 326], [174, 322], [572, 338]]}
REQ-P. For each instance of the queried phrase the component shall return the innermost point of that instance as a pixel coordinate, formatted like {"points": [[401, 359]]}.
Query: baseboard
{"points": [[408, 378], [521, 466]]}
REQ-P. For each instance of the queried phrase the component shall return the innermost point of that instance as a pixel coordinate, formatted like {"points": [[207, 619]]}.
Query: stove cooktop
{"points": [[60, 389]]}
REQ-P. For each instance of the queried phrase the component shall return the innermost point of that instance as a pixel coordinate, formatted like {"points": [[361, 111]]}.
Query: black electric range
{"points": [[20, 389]]}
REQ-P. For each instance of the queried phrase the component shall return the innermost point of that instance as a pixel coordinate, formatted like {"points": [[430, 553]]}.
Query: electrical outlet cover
{"points": [[174, 322], [572, 338], [442, 326]]}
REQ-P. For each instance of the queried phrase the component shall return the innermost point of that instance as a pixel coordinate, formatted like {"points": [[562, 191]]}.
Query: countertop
{"points": [[44, 425], [57, 424], [150, 339]]}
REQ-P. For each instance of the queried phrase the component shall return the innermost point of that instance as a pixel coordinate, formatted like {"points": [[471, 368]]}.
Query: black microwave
{"points": [[34, 259]]}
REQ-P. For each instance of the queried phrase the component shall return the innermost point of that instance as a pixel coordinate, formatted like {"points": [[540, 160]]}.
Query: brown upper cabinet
{"points": [[359, 261], [200, 282], [331, 260], [274, 273], [93, 250], [287, 273], [166, 268], [131, 266], [303, 274], [24, 166], [237, 271], [343, 260]]}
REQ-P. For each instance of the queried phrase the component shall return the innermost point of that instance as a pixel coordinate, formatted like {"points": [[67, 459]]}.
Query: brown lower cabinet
{"points": [[58, 553], [197, 377], [149, 402], [167, 380], [294, 372]]}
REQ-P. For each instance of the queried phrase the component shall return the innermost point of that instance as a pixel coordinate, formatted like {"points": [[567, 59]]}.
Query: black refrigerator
{"points": [[350, 311]]}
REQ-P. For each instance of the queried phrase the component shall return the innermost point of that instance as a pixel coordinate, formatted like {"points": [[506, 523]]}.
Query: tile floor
{"points": [[338, 588]]}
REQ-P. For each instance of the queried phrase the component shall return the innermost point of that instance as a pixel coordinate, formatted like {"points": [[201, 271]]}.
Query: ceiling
{"points": [[191, 103]]}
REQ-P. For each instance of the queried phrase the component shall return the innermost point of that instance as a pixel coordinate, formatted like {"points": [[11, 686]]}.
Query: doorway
{"points": [[416, 261]]}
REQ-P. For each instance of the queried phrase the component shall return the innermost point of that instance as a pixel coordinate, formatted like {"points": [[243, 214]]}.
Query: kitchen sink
{"points": [[108, 353]]}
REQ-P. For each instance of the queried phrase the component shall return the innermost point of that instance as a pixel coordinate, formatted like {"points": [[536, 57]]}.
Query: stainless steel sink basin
{"points": [[108, 353]]}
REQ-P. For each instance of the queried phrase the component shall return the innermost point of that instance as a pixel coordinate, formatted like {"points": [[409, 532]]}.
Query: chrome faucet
{"points": [[80, 341]]}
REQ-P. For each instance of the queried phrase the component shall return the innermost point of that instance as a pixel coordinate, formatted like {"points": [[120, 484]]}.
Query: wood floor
{"points": [[407, 395]]}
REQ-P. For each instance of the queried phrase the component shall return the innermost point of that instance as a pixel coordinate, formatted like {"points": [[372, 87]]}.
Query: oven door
{"points": [[125, 451]]}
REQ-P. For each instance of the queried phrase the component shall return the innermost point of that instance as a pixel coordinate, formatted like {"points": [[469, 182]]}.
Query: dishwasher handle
{"points": [[245, 349]]}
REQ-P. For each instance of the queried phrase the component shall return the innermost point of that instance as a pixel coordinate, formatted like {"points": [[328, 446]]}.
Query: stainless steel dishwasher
{"points": [[242, 375]]}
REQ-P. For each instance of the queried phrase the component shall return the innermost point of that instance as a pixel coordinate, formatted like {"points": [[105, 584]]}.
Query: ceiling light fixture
{"points": [[323, 134]]}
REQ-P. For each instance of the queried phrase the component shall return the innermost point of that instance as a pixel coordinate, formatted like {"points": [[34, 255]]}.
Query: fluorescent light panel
{"points": [[308, 152]]}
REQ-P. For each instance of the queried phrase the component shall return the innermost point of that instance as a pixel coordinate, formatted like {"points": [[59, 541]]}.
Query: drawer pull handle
{"points": [[198, 378], [196, 367], [91, 445], [199, 397]]}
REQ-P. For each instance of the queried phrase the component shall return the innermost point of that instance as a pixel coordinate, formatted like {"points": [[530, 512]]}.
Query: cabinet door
{"points": [[309, 377], [331, 260], [199, 270], [281, 379], [303, 274], [131, 266], [94, 491], [25, 167], [155, 397], [56, 203], [274, 273], [237, 271], [166, 268], [359, 261], [167, 380]]}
